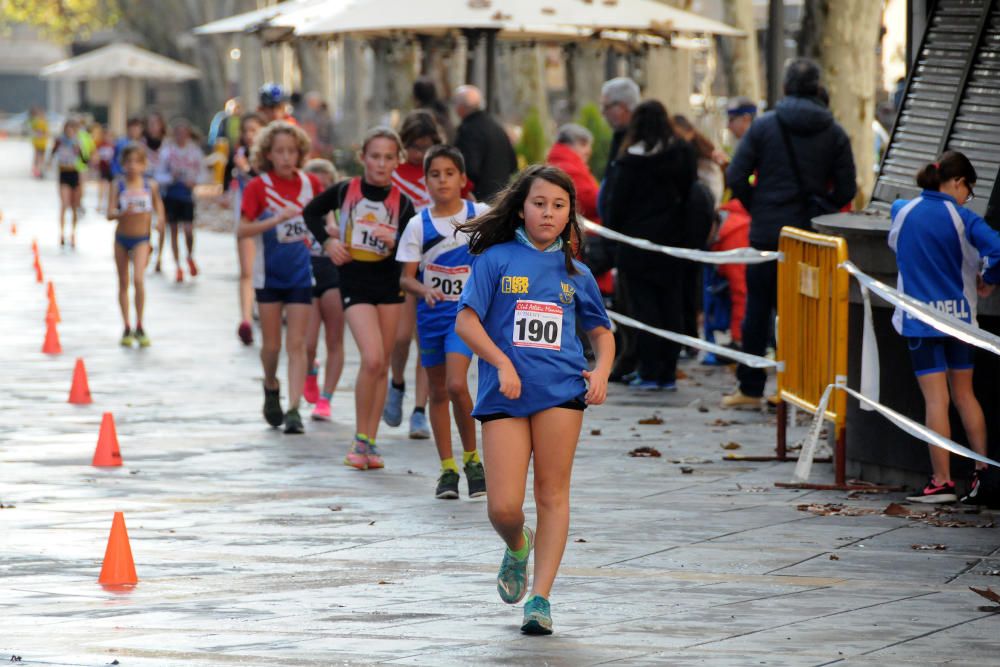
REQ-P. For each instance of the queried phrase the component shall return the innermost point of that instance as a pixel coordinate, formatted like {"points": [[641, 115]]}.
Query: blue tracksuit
{"points": [[940, 249]]}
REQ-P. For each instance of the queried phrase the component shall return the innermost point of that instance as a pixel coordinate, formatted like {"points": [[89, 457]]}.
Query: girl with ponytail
{"points": [[947, 256]]}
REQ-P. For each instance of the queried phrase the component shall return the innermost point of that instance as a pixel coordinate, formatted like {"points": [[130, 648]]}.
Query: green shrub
{"points": [[533, 145], [590, 117]]}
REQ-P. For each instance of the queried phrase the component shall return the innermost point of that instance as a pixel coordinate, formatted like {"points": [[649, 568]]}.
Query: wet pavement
{"points": [[256, 548]]}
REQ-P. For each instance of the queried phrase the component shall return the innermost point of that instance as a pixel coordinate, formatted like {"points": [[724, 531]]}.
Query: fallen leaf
{"points": [[834, 557], [987, 593], [655, 420], [833, 509], [895, 509], [371, 523], [595, 431], [579, 539], [928, 547], [686, 470], [134, 472], [383, 582], [702, 408], [645, 451], [335, 508], [731, 445]]}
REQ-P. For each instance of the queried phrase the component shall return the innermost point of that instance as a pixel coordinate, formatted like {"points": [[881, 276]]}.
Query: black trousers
{"points": [[762, 300], [626, 356], [658, 302]]}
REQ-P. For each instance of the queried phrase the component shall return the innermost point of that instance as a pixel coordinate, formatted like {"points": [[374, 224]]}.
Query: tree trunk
{"points": [[668, 79], [743, 66], [849, 46]]}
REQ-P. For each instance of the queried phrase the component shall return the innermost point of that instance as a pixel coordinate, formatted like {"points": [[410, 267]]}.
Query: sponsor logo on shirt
{"points": [[514, 285], [956, 307], [567, 293]]}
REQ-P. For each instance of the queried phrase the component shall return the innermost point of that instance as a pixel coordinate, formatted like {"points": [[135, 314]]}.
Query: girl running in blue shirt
{"points": [[519, 314], [947, 255]]}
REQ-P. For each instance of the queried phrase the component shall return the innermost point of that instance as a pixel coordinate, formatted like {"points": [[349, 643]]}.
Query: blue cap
{"points": [[271, 95]]}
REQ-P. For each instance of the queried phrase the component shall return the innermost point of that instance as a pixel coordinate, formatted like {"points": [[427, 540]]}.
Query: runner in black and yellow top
{"points": [[370, 214]]}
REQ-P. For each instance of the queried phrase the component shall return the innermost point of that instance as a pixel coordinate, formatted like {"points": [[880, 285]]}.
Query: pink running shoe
{"points": [[193, 267], [321, 412], [357, 456], [310, 391], [374, 458]]}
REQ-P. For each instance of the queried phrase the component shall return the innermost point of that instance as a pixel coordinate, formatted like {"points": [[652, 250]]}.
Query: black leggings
{"points": [[658, 302]]}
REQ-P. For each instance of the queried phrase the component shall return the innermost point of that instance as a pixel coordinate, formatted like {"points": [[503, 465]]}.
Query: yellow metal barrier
{"points": [[812, 330]]}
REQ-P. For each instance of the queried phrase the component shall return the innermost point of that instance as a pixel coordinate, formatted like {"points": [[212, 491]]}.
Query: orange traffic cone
{"points": [[107, 454], [53, 312], [13, 229], [118, 568], [39, 278], [79, 393], [34, 247], [51, 291], [51, 344]]}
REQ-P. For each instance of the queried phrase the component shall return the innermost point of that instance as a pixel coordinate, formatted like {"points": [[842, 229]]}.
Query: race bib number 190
{"points": [[538, 324]]}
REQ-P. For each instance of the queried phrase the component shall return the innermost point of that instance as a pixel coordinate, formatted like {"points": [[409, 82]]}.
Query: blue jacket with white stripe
{"points": [[941, 248]]}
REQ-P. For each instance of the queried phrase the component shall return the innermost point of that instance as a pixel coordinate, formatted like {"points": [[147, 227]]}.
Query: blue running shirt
{"points": [[530, 306], [940, 249]]}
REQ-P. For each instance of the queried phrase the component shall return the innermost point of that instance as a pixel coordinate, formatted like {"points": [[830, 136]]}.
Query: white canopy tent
{"points": [[260, 20], [528, 19], [515, 19], [119, 62]]}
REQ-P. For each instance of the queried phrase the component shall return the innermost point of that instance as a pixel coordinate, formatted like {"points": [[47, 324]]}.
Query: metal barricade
{"points": [[812, 331]]}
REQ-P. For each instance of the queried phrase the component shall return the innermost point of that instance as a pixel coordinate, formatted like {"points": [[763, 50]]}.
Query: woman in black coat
{"points": [[651, 180]]}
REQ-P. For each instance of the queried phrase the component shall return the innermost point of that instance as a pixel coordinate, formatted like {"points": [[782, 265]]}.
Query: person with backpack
{"points": [[804, 167]]}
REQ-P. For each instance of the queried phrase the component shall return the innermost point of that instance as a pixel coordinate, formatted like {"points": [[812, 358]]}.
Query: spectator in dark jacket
{"points": [[804, 167], [619, 98], [490, 160], [651, 182]]}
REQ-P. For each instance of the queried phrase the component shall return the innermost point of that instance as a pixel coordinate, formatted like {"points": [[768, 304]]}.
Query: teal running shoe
{"points": [[537, 616], [512, 580]]}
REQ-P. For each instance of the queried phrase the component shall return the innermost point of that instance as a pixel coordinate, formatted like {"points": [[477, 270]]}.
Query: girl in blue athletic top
{"points": [[947, 255], [132, 199], [519, 313]]}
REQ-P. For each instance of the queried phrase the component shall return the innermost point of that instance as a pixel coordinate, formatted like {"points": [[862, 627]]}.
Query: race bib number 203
{"points": [[538, 324]]}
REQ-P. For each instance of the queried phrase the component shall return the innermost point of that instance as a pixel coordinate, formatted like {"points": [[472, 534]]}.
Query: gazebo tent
{"points": [[119, 62], [559, 19]]}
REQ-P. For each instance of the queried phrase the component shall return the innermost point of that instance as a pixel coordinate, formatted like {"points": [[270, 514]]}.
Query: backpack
{"points": [[699, 216]]}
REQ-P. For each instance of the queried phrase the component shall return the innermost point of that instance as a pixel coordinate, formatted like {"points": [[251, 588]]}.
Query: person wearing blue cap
{"points": [[274, 103], [741, 112]]}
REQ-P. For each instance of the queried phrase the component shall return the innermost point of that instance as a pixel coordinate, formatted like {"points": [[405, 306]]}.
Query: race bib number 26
{"points": [[291, 231], [538, 324]]}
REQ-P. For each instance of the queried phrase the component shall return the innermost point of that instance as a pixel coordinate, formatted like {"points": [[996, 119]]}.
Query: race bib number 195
{"points": [[538, 324]]}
